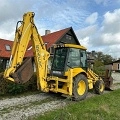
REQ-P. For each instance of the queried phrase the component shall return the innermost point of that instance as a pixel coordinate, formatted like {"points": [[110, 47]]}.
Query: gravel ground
{"points": [[26, 107], [22, 108]]}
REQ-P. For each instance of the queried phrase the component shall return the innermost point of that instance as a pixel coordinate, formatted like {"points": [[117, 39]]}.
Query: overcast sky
{"points": [[95, 22]]}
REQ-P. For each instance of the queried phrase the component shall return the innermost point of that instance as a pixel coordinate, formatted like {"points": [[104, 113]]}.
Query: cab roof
{"points": [[70, 46]]}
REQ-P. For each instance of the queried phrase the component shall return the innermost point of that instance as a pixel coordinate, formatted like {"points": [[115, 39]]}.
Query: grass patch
{"points": [[4, 110], [101, 107]]}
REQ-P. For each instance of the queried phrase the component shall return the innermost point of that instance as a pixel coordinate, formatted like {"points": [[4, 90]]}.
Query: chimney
{"points": [[47, 32]]}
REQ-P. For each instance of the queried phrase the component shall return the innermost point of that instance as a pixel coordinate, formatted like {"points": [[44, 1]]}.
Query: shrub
{"points": [[8, 87], [14, 88]]}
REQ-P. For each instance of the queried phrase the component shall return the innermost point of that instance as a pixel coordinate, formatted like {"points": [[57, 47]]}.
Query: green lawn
{"points": [[101, 107]]}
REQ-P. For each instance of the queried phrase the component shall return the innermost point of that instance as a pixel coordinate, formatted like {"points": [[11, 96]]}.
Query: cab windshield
{"points": [[59, 59]]}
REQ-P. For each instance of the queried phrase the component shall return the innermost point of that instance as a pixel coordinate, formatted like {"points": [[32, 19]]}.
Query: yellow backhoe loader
{"points": [[69, 72]]}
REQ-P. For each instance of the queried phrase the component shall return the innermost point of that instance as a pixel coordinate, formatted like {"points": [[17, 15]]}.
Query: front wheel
{"points": [[80, 87], [99, 86]]}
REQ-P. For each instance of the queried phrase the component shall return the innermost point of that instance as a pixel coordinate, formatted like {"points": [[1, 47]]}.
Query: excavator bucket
{"points": [[108, 80], [24, 72]]}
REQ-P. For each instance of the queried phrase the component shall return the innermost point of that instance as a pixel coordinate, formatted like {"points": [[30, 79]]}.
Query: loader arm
{"points": [[26, 32]]}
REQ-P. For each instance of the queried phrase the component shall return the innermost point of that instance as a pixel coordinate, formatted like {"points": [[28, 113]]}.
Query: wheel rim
{"points": [[81, 87], [101, 87]]}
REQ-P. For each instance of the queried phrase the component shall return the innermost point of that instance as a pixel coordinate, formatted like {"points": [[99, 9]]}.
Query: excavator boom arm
{"points": [[26, 32]]}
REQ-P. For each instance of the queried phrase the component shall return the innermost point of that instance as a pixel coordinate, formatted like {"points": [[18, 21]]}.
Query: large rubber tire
{"points": [[99, 86], [80, 87]]}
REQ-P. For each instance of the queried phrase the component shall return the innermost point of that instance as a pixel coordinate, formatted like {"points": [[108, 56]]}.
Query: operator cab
{"points": [[68, 56]]}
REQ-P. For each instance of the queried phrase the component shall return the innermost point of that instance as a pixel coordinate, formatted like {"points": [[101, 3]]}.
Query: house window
{"points": [[7, 47]]}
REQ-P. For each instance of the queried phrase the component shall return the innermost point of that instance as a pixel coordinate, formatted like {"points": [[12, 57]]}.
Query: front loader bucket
{"points": [[24, 72], [108, 80]]}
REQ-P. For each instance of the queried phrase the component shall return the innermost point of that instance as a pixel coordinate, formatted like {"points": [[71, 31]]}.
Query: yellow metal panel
{"points": [[76, 71], [70, 81], [67, 83], [90, 84], [63, 91]]}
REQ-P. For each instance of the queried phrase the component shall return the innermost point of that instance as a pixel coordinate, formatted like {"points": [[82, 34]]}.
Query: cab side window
{"points": [[74, 58], [77, 58]]}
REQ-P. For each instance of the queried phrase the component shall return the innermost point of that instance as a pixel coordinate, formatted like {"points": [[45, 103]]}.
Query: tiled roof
{"points": [[3, 52], [51, 39]]}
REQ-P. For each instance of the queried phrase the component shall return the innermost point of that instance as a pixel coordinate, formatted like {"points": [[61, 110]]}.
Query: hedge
{"points": [[9, 87]]}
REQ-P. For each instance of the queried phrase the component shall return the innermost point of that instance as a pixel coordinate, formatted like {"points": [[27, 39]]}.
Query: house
{"points": [[62, 36], [115, 65], [5, 50]]}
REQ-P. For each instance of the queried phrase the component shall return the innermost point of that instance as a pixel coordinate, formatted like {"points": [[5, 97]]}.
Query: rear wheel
{"points": [[99, 86], [80, 87]]}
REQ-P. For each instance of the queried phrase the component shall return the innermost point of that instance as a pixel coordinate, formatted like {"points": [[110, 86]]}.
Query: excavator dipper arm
{"points": [[26, 32]]}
